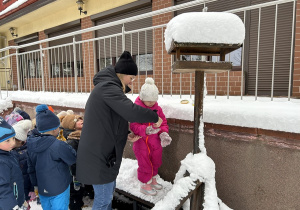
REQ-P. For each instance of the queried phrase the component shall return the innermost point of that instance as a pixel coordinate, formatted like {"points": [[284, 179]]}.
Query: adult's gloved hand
{"points": [[150, 130], [165, 139]]}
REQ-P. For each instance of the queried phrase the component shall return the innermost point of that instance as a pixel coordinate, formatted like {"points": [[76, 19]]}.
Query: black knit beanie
{"points": [[126, 64]]}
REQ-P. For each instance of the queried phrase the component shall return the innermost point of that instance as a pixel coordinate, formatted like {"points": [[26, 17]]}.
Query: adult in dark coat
{"points": [[105, 128]]}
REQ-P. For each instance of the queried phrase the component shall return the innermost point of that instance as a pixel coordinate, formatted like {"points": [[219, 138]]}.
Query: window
{"points": [[191, 57], [145, 62], [35, 69], [66, 69], [235, 57]]}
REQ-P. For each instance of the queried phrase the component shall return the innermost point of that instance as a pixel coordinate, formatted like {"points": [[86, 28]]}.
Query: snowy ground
{"points": [[279, 114], [88, 203]]}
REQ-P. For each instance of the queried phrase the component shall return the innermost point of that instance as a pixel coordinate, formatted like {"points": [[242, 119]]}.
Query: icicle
{"points": [[201, 136]]}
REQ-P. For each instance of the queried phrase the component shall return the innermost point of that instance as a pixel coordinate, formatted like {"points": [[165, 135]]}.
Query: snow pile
{"points": [[5, 104], [202, 168], [127, 181], [205, 27]]}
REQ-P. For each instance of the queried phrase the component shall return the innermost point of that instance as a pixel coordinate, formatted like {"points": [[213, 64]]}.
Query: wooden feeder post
{"points": [[199, 68], [198, 108]]}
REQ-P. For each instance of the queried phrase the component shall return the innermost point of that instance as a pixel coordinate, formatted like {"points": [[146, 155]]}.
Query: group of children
{"points": [[40, 160], [34, 163]]}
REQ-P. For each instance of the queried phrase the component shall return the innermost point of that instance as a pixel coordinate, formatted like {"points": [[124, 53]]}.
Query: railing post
{"points": [[42, 68], [18, 70], [123, 38], [75, 66]]}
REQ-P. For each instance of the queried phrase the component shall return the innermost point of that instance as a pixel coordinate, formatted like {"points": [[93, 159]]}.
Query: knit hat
{"points": [[62, 114], [149, 91], [126, 64], [45, 119], [22, 128], [69, 121], [6, 131], [13, 118], [22, 113]]}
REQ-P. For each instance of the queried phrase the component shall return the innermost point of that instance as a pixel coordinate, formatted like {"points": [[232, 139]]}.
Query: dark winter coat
{"points": [[105, 129], [66, 132], [21, 156], [11, 182], [73, 141], [48, 163]]}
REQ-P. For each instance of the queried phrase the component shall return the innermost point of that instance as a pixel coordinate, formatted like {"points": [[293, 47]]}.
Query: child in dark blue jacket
{"points": [[11, 179], [49, 160], [20, 153]]}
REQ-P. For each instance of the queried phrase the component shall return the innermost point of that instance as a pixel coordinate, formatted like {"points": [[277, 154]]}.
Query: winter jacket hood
{"points": [[39, 144], [110, 75]]}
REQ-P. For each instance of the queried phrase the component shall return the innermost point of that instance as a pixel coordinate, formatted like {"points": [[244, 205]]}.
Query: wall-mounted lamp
{"points": [[12, 31], [80, 4]]}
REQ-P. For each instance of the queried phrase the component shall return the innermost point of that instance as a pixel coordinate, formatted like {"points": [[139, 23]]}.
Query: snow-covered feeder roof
{"points": [[206, 28]]}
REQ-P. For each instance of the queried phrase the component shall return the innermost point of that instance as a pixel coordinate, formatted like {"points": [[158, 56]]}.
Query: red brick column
{"points": [[13, 65], [87, 56], [162, 66], [46, 69], [296, 74]]}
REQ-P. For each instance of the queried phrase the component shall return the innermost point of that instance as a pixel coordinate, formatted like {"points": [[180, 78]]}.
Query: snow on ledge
{"points": [[205, 27], [279, 114]]}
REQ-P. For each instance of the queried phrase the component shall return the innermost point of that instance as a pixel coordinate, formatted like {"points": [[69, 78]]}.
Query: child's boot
{"points": [[155, 185], [147, 189]]}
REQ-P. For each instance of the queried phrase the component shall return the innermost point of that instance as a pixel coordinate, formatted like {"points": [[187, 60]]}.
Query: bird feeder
{"points": [[209, 34], [203, 33]]}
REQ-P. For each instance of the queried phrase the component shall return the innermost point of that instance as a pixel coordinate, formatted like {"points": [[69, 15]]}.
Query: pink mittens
{"points": [[150, 130], [165, 139]]}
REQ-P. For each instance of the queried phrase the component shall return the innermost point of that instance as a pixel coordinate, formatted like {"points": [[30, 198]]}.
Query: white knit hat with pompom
{"points": [[22, 128], [149, 91]]}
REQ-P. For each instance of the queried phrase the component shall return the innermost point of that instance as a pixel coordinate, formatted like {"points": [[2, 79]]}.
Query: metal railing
{"points": [[70, 67]]}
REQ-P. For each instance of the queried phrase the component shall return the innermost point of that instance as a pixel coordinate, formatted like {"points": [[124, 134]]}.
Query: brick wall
{"points": [[87, 55], [222, 82], [161, 61], [183, 83], [296, 74], [167, 82]]}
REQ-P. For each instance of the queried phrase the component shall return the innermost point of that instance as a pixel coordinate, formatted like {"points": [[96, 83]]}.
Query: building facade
{"points": [[266, 65]]}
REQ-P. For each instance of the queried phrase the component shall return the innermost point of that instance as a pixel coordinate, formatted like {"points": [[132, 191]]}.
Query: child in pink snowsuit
{"points": [[148, 149]]}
